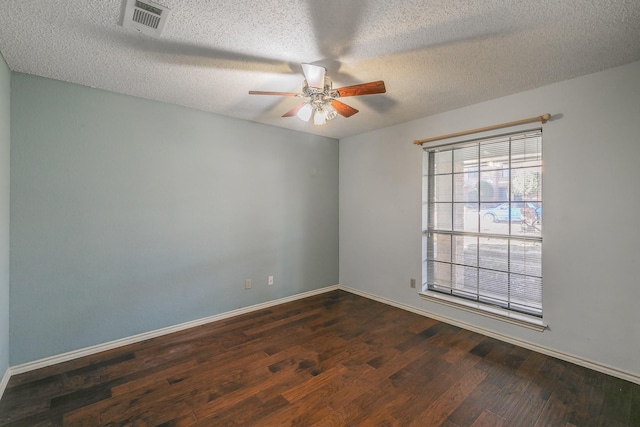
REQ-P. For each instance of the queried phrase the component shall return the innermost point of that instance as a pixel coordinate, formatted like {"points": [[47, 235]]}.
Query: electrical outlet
{"points": [[412, 282], [270, 280], [247, 284]]}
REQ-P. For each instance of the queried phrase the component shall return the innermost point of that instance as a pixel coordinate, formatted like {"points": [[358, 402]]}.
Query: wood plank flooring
{"points": [[335, 359]]}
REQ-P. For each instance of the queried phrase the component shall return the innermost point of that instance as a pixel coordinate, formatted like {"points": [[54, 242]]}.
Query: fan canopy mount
{"points": [[323, 102]]}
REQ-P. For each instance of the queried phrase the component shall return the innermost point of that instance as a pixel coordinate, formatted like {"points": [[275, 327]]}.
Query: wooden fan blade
{"points": [[363, 89], [343, 109], [259, 92], [293, 111], [314, 74]]}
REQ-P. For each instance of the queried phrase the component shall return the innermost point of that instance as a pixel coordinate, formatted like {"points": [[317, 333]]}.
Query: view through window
{"points": [[482, 211]]}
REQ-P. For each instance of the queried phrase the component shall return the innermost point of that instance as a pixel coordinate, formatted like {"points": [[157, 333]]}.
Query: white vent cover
{"points": [[145, 16]]}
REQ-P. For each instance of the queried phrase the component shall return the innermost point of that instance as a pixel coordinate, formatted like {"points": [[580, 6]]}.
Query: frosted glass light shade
{"points": [[320, 118], [314, 74], [331, 112], [305, 112]]}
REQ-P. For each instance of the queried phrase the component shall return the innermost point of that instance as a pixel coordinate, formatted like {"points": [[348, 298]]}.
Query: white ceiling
{"points": [[434, 56]]}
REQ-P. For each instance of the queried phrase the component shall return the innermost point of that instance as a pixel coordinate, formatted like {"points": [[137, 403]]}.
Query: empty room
{"points": [[332, 213]]}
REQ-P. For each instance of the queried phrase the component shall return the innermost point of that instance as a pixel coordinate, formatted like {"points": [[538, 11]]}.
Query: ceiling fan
{"points": [[323, 103]]}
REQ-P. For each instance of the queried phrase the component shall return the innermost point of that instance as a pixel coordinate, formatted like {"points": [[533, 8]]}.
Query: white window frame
{"points": [[480, 304]]}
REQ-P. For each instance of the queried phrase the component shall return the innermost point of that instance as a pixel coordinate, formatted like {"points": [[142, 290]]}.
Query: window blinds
{"points": [[483, 216]]}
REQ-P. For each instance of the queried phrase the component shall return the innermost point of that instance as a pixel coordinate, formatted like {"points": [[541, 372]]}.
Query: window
{"points": [[482, 214]]}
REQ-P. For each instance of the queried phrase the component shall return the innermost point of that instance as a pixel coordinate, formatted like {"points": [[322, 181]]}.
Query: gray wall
{"points": [[131, 215], [5, 135], [591, 213]]}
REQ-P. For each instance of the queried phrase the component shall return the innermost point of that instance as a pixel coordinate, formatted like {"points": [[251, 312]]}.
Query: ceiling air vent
{"points": [[145, 16]]}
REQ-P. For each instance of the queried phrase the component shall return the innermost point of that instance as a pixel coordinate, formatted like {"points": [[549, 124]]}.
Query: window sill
{"points": [[498, 313]]}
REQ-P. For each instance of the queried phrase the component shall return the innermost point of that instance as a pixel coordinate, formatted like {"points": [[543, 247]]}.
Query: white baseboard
{"points": [[49, 361], [5, 380], [526, 344], [65, 357]]}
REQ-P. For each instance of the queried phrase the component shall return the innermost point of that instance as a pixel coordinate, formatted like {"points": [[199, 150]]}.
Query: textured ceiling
{"points": [[434, 56]]}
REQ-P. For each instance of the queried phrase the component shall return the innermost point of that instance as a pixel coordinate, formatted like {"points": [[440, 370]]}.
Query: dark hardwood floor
{"points": [[335, 359]]}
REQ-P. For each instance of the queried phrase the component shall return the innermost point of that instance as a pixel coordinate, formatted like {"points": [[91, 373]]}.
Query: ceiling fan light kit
{"points": [[323, 104]]}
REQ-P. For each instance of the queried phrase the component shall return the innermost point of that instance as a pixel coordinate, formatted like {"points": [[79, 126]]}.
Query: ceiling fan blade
{"points": [[343, 109], [293, 111], [314, 74], [260, 92], [362, 89]]}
